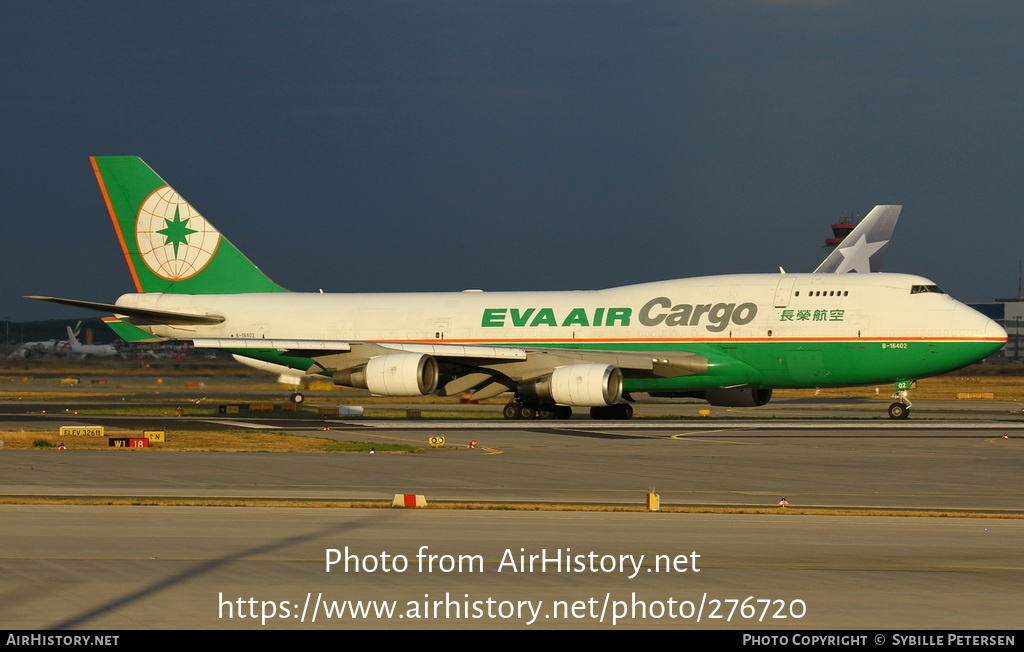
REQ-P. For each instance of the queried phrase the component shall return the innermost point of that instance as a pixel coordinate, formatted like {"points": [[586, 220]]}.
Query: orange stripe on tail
{"points": [[117, 227]]}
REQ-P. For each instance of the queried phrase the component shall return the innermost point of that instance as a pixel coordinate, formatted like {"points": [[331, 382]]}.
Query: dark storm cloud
{"points": [[523, 145]]}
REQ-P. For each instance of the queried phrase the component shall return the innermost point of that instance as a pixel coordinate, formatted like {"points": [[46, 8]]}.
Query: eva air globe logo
{"points": [[174, 240]]}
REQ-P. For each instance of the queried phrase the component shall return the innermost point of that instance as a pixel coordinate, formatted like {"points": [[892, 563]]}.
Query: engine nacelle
{"points": [[584, 385], [738, 397], [394, 374]]}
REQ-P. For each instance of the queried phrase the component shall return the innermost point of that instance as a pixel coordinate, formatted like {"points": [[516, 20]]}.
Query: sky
{"points": [[530, 145]]}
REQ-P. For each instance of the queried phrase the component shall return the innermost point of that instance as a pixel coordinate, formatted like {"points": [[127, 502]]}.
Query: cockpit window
{"points": [[921, 289]]}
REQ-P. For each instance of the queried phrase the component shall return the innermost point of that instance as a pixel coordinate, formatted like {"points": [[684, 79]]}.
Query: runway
{"points": [[933, 465], [127, 567]]}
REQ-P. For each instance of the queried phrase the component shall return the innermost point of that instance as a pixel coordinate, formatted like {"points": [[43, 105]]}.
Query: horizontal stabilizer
{"points": [[155, 316]]}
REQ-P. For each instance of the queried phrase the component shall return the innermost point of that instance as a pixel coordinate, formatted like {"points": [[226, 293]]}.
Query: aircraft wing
{"points": [[864, 249], [317, 349], [491, 369], [417, 366]]}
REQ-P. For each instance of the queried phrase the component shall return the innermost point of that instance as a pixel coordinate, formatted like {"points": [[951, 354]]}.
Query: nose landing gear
{"points": [[901, 408]]}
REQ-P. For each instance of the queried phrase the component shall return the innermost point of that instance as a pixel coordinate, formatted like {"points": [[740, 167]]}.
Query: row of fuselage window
{"points": [[826, 293]]}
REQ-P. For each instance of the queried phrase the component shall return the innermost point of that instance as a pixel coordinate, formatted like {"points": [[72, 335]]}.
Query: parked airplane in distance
{"points": [[864, 248], [59, 348], [74, 347], [728, 339], [39, 349]]}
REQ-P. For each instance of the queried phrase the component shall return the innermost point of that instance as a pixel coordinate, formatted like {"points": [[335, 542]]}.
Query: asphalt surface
{"points": [[128, 567], [925, 465], [116, 568]]}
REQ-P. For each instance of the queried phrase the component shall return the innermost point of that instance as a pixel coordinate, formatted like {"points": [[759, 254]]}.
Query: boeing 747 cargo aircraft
{"points": [[728, 339]]}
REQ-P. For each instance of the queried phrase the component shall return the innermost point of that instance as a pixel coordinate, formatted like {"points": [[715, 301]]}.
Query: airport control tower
{"points": [[840, 230]]}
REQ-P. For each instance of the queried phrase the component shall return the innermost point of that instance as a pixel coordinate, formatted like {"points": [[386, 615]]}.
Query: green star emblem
{"points": [[176, 231]]}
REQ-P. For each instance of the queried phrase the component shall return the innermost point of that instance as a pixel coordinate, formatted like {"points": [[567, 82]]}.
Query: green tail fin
{"points": [[169, 246]]}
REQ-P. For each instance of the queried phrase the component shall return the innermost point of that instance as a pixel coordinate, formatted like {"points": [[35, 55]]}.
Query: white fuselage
{"points": [[732, 307]]}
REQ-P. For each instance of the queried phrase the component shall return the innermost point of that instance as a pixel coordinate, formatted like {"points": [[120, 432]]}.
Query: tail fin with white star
{"points": [[169, 245], [864, 248]]}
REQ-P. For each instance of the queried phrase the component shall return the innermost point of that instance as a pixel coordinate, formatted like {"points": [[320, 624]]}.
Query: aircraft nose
{"points": [[988, 335], [991, 333], [995, 332]]}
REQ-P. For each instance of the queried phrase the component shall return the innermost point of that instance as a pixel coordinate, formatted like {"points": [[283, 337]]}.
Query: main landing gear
{"points": [[519, 408], [297, 398], [901, 408]]}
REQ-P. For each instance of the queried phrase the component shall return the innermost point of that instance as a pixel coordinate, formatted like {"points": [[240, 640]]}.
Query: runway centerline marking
{"points": [[411, 441], [683, 436], [592, 432], [240, 424]]}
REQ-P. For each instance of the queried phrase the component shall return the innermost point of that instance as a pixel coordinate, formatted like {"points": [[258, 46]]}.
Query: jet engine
{"points": [[589, 385], [738, 397], [394, 374]]}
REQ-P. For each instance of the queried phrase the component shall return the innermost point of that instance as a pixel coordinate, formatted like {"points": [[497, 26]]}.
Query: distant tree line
{"points": [[17, 332]]}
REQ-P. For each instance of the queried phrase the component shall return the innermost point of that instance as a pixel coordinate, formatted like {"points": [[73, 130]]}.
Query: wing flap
{"points": [[663, 364], [299, 348], [319, 347]]}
